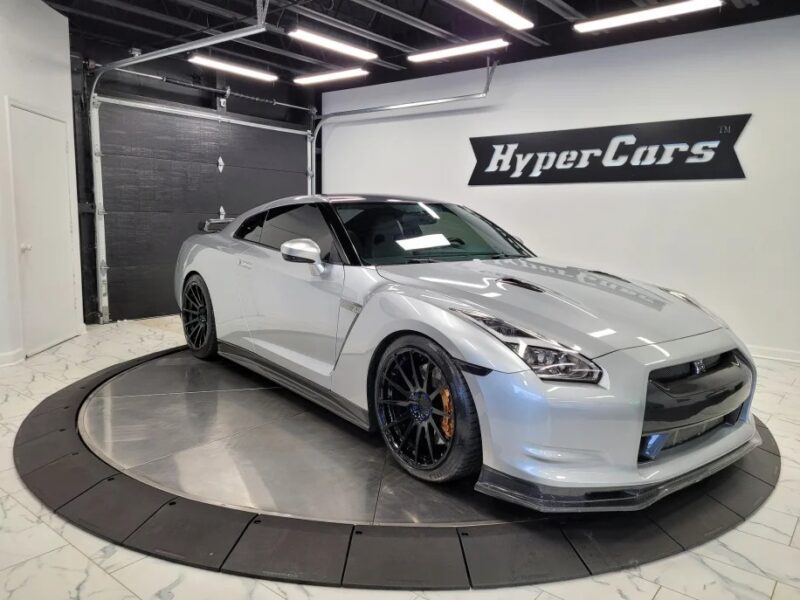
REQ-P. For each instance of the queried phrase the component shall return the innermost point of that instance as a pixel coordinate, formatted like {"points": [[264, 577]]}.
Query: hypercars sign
{"points": [[666, 150]]}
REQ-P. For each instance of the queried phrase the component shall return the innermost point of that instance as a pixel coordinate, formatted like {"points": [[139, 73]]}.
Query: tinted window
{"points": [[298, 221], [401, 232], [251, 228]]}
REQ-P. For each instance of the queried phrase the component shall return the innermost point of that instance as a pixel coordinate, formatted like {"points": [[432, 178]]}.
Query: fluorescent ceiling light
{"points": [[501, 13], [458, 50], [332, 76], [331, 44], [647, 14], [199, 59]]}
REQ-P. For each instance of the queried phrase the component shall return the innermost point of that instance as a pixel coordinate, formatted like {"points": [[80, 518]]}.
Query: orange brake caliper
{"points": [[447, 419]]}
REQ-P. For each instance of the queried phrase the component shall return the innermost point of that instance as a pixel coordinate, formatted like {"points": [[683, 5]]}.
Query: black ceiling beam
{"points": [[94, 16], [219, 11], [399, 15], [343, 26], [144, 12], [562, 9], [164, 36], [233, 15]]}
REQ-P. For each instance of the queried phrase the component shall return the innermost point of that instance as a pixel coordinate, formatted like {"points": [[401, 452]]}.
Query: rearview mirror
{"points": [[303, 250]]}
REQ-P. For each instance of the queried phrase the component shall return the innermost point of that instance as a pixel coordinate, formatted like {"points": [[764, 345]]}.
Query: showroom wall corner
{"points": [[733, 244], [34, 78]]}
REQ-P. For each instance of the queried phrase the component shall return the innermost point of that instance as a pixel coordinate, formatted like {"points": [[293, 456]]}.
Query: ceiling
{"points": [[391, 28]]}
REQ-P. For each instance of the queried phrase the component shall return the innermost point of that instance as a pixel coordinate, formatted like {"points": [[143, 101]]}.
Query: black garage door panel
{"points": [[246, 188], [151, 184], [147, 238], [134, 132], [142, 291], [161, 178], [242, 146]]}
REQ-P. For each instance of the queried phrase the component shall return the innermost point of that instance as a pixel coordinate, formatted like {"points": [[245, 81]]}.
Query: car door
{"points": [[292, 309], [239, 273]]}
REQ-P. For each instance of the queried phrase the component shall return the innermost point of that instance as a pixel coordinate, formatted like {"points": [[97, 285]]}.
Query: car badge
{"points": [[699, 367]]}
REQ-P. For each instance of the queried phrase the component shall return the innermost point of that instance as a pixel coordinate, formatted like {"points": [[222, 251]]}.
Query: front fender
{"points": [[394, 310]]}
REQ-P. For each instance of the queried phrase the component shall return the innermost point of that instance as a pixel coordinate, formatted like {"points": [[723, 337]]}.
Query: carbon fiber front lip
{"points": [[561, 500]]}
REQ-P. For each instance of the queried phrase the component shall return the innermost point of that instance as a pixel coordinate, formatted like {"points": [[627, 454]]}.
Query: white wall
{"points": [[734, 245], [35, 73]]}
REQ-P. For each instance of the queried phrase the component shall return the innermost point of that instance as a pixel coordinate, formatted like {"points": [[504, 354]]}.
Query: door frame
{"points": [[66, 121]]}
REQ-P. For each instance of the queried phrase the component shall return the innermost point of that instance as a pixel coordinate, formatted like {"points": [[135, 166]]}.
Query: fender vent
{"points": [[521, 284]]}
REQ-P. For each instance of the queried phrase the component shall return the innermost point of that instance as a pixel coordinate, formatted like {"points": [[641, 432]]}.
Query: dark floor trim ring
{"points": [[67, 477]]}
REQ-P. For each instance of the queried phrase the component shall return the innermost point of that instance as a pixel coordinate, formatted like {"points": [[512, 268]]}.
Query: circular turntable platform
{"points": [[210, 465]]}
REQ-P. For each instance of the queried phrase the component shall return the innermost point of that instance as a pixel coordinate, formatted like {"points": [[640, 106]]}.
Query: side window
{"points": [[299, 221], [250, 230]]}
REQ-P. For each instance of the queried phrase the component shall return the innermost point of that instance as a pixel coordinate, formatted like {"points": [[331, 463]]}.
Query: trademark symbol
{"points": [[724, 128]]}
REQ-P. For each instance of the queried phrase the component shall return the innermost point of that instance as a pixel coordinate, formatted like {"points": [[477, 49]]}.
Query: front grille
{"points": [[686, 370], [690, 399]]}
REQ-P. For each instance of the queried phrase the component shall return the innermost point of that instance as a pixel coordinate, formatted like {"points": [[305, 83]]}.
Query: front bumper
{"points": [[559, 499], [575, 447]]}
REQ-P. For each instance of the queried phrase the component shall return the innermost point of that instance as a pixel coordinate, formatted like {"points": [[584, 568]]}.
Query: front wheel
{"points": [[197, 315], [425, 411]]}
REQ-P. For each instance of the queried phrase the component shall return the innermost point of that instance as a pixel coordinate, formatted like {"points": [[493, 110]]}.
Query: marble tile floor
{"points": [[43, 557]]}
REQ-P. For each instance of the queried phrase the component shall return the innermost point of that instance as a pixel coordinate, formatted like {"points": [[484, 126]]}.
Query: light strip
{"points": [[501, 13], [458, 50], [205, 61], [648, 14], [331, 44], [332, 76]]}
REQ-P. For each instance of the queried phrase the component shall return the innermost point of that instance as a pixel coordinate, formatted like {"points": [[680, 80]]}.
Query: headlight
{"points": [[547, 359], [559, 365]]}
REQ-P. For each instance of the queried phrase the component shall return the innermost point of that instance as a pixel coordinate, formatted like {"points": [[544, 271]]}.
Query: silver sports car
{"points": [[561, 388]]}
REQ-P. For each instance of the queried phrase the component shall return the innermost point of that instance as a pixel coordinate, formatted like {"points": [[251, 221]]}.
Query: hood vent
{"points": [[521, 284], [609, 275]]}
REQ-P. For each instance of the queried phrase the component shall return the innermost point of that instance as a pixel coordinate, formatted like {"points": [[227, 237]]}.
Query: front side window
{"points": [[299, 221], [397, 232]]}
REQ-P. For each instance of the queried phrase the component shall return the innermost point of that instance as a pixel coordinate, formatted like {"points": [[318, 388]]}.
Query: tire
{"points": [[425, 411], [197, 316]]}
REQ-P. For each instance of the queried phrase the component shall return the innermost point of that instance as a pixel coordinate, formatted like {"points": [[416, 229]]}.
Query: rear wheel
{"points": [[425, 411], [197, 315]]}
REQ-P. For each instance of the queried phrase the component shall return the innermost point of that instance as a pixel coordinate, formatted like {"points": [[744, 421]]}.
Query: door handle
{"points": [[245, 264], [25, 248]]}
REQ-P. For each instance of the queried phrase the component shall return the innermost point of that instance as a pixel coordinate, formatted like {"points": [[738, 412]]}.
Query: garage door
{"points": [[164, 173]]}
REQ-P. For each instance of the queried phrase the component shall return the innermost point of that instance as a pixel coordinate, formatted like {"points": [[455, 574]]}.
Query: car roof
{"points": [[333, 199]]}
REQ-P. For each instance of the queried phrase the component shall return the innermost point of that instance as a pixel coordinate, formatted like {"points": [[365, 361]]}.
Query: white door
{"points": [[44, 228]]}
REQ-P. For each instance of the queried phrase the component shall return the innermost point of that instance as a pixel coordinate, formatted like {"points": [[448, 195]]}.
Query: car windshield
{"points": [[402, 232]]}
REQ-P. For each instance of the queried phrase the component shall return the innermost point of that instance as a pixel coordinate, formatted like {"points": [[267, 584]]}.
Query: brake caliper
{"points": [[447, 419]]}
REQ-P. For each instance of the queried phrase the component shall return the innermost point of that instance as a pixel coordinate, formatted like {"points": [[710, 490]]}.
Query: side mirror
{"points": [[303, 250]]}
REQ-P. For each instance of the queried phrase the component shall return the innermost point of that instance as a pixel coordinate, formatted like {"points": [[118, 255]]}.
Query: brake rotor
{"points": [[448, 426]]}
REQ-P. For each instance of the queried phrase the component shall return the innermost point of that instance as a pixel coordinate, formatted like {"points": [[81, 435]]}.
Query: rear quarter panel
{"points": [[214, 257]]}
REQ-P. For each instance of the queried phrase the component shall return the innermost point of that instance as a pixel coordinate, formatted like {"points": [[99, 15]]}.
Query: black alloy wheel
{"points": [[424, 411], [197, 315]]}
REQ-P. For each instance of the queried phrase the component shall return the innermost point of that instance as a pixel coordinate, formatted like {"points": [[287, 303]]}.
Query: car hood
{"points": [[581, 308]]}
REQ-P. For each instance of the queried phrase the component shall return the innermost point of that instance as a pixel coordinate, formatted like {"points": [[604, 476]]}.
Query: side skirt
{"points": [[335, 403]]}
